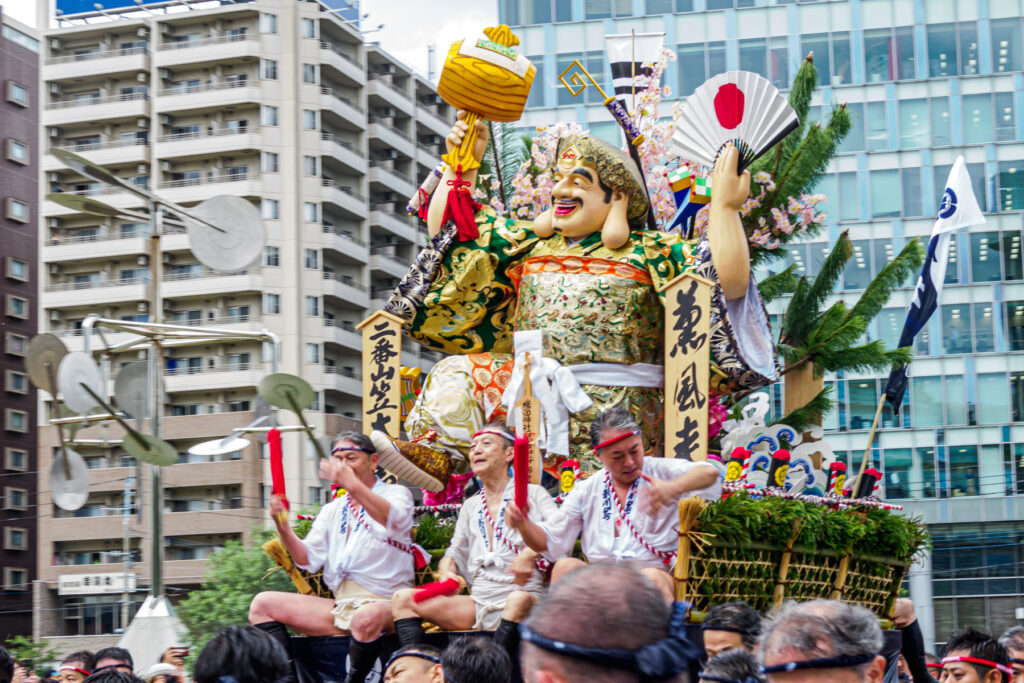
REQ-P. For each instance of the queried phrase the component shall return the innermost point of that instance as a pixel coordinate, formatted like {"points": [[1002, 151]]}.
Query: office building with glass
{"points": [[925, 82]]}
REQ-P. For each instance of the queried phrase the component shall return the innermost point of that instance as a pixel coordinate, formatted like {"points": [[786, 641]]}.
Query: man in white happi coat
{"points": [[506, 578], [626, 511], [362, 542]]}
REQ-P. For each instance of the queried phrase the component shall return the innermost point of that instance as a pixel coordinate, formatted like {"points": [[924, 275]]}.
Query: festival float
{"points": [[528, 331]]}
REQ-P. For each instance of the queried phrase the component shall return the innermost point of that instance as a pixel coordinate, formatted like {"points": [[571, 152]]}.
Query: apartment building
{"points": [[19, 282], [925, 81], [282, 103]]}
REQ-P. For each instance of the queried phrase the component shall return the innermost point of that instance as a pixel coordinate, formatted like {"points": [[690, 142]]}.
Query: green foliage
{"points": [[32, 654], [506, 150], [811, 413], [774, 286], [234, 575], [434, 532]]}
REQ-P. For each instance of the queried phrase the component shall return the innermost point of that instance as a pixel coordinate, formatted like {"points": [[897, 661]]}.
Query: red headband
{"points": [[74, 668], [981, 662], [934, 665], [615, 440], [494, 430]]}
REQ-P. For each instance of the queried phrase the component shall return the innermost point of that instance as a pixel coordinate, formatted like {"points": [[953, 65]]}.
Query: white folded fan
{"points": [[738, 107]]}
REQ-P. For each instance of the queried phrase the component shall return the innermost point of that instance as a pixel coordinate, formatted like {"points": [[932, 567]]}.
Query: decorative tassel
{"points": [[420, 557], [461, 208]]}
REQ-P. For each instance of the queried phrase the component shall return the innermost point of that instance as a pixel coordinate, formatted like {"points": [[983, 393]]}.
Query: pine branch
{"points": [[811, 413], [791, 320], [870, 356], [878, 292], [824, 283], [774, 286]]}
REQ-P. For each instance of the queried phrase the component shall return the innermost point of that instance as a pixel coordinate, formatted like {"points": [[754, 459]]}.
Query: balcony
{"points": [[343, 334], [223, 375], [394, 96], [208, 96], [383, 260], [206, 282], [74, 294], [390, 179], [198, 189], [201, 144], [346, 289], [346, 65], [403, 227], [68, 67], [103, 245], [349, 248], [341, 380], [97, 108], [103, 153], [391, 137], [427, 117], [344, 197], [343, 152], [208, 50], [343, 106]]}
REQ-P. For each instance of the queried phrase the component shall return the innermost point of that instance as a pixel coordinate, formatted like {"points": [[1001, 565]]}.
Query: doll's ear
{"points": [[615, 232]]}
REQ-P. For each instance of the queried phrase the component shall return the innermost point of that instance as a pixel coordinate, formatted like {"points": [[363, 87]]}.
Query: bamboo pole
{"points": [[867, 451]]}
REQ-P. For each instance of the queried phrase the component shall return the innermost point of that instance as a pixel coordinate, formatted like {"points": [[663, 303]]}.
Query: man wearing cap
{"points": [[506, 578], [975, 657], [624, 511], [579, 289], [362, 543]]}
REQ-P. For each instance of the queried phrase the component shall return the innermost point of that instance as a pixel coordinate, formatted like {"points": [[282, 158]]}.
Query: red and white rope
{"points": [[419, 555], [541, 564], [667, 558]]}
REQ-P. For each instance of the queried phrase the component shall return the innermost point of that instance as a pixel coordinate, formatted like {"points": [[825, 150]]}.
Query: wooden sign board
{"points": [[529, 408], [687, 366], [382, 360]]}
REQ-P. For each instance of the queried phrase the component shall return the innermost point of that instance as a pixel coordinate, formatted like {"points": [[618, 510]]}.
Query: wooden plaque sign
{"points": [[382, 360], [529, 407]]}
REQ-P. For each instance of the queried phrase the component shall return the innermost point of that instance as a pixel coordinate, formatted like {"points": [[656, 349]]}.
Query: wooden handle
{"points": [[464, 154]]}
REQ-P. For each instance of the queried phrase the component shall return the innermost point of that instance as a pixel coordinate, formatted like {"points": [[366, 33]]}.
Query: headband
{"points": [[615, 439], [421, 655], [981, 662], [351, 448], [68, 667], [934, 665], [1017, 660], [730, 629], [657, 661], [497, 431], [122, 665], [725, 679], [840, 662]]}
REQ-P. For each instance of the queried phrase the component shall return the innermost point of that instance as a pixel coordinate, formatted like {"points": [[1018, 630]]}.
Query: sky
{"points": [[410, 26]]}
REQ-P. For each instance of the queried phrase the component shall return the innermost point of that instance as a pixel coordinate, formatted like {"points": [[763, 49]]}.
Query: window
{"points": [[877, 126], [926, 402], [17, 269], [978, 119], [268, 115], [16, 307], [963, 470], [268, 162], [885, 196], [1015, 324], [15, 538], [985, 257], [239, 407], [863, 396], [942, 60], [268, 23], [308, 28], [940, 121], [967, 34], [17, 344], [313, 259], [309, 73], [984, 337], [955, 400], [15, 579], [15, 498], [271, 256], [1012, 266], [313, 306], [818, 43], [183, 410], [271, 209], [1006, 52], [16, 382], [17, 210], [268, 69], [17, 93], [272, 304], [849, 196], [310, 212], [17, 152], [910, 182], [15, 459], [914, 123], [1004, 117], [310, 165], [309, 119], [956, 328], [752, 56], [1011, 186], [993, 399], [312, 353], [854, 140], [889, 54]]}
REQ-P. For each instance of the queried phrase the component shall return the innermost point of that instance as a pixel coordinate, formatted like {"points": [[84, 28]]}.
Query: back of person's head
{"points": [[83, 659], [113, 676], [599, 606], [476, 659], [118, 654], [6, 666], [978, 645], [243, 653], [736, 617], [820, 629], [732, 666], [1013, 639]]}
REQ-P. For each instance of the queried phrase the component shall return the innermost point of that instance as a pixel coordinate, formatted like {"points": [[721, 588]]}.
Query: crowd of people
{"points": [[552, 617]]}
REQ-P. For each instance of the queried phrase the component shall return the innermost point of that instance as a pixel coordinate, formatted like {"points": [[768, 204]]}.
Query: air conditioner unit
{"points": [[142, 260], [143, 307], [55, 131], [142, 76], [142, 122], [168, 260], [166, 29], [53, 222], [56, 316], [53, 177], [142, 169], [142, 32], [56, 269], [165, 167], [166, 75], [54, 88], [55, 44], [165, 119]]}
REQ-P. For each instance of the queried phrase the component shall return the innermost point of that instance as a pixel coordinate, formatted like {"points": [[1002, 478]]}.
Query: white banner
{"points": [[94, 584]]}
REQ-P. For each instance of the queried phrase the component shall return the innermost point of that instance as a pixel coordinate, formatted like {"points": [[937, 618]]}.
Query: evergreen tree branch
{"points": [[811, 413], [774, 286], [894, 274]]}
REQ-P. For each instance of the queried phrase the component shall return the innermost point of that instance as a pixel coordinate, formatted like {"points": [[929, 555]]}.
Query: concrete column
{"points": [[920, 576]]}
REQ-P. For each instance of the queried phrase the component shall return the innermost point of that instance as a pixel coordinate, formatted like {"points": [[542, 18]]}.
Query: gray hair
{"points": [[735, 664], [822, 628], [1013, 639], [358, 438], [617, 419]]}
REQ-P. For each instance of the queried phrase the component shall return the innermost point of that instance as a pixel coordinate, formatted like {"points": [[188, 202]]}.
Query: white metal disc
{"points": [[228, 444], [42, 359], [131, 389], [75, 370], [241, 242], [149, 448], [69, 480]]}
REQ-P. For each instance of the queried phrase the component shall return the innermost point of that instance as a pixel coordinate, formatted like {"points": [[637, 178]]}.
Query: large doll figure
{"points": [[578, 287]]}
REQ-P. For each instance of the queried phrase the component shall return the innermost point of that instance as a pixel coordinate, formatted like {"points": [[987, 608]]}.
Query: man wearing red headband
{"points": [[1013, 641], [626, 510], [506, 577], [975, 657]]}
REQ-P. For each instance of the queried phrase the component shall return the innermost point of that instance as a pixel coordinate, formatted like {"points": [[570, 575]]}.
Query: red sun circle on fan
{"points": [[729, 106]]}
